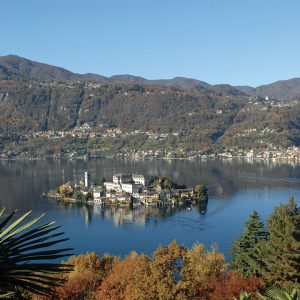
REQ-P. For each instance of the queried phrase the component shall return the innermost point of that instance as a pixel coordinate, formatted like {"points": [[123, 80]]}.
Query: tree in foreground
{"points": [[281, 254], [244, 253], [128, 279], [88, 272], [229, 286], [173, 272], [199, 267], [22, 252]]}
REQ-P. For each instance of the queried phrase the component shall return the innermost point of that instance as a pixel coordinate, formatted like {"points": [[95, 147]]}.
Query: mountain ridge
{"points": [[16, 67], [189, 119], [19, 68]]}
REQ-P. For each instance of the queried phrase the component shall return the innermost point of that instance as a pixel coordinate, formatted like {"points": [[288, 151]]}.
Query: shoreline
{"points": [[242, 158]]}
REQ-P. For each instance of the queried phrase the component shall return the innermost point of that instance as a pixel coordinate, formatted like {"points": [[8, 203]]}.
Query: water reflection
{"points": [[127, 216], [22, 182], [235, 189]]}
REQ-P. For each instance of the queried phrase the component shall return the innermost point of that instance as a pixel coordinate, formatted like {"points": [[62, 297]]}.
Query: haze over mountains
{"points": [[13, 67]]}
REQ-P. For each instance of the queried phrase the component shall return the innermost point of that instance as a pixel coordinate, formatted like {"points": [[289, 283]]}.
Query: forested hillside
{"points": [[27, 106], [189, 116]]}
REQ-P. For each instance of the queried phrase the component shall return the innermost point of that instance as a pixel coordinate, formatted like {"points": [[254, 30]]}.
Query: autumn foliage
{"points": [[229, 285], [177, 272], [172, 272]]}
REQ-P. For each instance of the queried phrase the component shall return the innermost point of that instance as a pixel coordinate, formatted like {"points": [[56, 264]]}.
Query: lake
{"points": [[236, 188]]}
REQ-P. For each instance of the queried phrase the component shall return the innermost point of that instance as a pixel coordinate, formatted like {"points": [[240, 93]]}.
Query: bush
{"points": [[228, 286]]}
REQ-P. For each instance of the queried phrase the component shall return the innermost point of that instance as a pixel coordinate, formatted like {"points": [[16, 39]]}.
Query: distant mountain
{"points": [[194, 117], [226, 89], [15, 67], [283, 89], [247, 90], [181, 82], [126, 78]]}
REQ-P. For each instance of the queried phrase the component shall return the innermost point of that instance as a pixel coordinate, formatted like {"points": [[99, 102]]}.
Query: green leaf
{"points": [[5, 221], [13, 225], [22, 227], [20, 246]]}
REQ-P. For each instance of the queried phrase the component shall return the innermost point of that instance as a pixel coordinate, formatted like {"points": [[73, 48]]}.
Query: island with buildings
{"points": [[129, 190]]}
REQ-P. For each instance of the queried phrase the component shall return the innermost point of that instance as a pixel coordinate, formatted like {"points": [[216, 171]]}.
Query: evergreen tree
{"points": [[281, 254], [244, 253]]}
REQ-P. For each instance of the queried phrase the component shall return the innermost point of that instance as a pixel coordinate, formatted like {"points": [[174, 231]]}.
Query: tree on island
{"points": [[77, 194], [65, 191], [87, 197], [280, 255], [160, 183], [166, 183], [102, 180], [201, 192], [244, 253]]}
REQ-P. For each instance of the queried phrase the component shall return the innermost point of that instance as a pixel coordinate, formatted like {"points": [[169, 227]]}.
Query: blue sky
{"points": [[240, 42]]}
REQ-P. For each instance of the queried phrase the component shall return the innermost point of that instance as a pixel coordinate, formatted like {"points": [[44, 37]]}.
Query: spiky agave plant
{"points": [[25, 256]]}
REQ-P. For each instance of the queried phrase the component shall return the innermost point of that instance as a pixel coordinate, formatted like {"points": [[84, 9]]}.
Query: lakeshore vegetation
{"points": [[265, 264]]}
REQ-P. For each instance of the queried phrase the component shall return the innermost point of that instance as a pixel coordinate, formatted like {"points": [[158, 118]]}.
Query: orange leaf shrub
{"points": [[228, 286], [80, 286]]}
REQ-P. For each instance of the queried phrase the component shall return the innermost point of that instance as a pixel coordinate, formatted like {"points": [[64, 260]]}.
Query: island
{"points": [[129, 190]]}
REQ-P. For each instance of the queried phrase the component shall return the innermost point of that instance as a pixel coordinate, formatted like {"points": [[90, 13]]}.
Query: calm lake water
{"points": [[236, 188]]}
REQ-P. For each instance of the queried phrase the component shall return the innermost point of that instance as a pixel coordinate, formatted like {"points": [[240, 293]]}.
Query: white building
{"points": [[139, 179], [127, 187], [122, 178], [86, 179], [131, 187], [126, 183], [112, 186], [97, 193], [250, 154]]}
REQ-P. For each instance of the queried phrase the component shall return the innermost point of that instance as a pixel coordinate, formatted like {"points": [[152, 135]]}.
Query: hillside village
{"points": [[76, 119], [86, 140], [129, 190], [85, 133]]}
